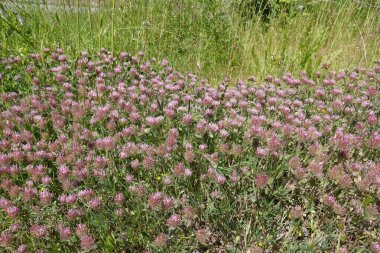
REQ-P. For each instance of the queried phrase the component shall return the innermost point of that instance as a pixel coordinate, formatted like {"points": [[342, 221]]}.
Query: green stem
{"points": [[113, 26], [78, 28]]}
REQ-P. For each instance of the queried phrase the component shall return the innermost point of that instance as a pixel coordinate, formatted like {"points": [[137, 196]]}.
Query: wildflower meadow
{"points": [[119, 151]]}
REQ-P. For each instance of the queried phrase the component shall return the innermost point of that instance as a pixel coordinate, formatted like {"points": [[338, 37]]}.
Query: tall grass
{"points": [[210, 38]]}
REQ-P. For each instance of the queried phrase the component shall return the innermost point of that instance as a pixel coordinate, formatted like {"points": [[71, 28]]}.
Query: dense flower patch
{"points": [[115, 153]]}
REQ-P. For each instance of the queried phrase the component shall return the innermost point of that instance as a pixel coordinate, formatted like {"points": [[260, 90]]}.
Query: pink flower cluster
{"points": [[124, 152]]}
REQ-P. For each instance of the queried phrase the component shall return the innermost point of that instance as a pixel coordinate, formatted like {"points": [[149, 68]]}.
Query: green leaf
{"points": [[368, 200]]}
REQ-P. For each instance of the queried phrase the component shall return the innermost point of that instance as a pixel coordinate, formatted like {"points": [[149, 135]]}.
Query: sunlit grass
{"points": [[209, 38]]}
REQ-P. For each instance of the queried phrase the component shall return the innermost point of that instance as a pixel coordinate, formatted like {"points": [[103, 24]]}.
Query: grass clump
{"points": [[212, 38]]}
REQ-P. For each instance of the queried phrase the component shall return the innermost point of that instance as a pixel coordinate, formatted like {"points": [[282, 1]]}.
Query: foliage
{"points": [[118, 153], [212, 38]]}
